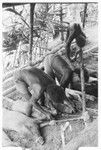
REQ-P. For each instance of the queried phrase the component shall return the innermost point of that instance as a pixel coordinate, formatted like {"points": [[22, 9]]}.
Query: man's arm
{"points": [[34, 102]]}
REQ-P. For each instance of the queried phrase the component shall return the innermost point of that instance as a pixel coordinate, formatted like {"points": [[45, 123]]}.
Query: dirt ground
{"points": [[80, 134]]}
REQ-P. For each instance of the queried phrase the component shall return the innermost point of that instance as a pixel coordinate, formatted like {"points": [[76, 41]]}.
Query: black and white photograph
{"points": [[50, 75]]}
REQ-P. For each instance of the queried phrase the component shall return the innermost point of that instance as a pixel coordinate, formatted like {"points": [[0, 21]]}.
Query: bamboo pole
{"points": [[61, 21], [84, 16], [32, 5], [82, 82]]}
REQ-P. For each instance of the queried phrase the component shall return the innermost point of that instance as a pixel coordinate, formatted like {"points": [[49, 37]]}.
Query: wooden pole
{"points": [[61, 20], [84, 15], [82, 81], [32, 5]]}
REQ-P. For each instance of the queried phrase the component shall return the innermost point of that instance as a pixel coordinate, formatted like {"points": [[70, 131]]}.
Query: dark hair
{"points": [[77, 31], [56, 93], [81, 40]]}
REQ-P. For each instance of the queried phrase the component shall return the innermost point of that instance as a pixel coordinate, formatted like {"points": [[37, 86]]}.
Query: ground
{"points": [[80, 134]]}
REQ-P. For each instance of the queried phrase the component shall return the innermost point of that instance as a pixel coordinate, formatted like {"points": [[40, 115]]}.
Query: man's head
{"points": [[81, 41], [78, 30], [79, 35], [56, 95], [75, 32]]}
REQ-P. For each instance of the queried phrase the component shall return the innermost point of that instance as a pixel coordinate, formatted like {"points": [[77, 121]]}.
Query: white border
{"points": [[0, 74], [47, 1], [99, 72], [99, 55]]}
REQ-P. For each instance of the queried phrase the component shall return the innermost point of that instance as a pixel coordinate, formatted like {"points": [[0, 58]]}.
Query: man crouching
{"points": [[33, 83]]}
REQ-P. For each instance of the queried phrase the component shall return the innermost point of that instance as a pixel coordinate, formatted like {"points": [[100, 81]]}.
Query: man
{"points": [[74, 32], [56, 67], [33, 83]]}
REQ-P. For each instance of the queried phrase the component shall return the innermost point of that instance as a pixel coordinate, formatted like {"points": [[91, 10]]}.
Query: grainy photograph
{"points": [[50, 75]]}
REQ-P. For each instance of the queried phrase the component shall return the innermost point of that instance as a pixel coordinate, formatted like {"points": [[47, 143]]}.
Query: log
{"points": [[53, 122], [78, 94], [8, 80], [8, 91], [93, 79], [19, 106], [91, 88], [10, 73], [8, 83], [88, 50]]}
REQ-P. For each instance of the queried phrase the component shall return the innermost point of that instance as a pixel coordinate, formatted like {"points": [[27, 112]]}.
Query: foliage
{"points": [[44, 23], [49, 20]]}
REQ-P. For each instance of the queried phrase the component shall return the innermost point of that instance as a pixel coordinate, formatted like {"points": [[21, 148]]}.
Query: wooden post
{"points": [[82, 81], [84, 15], [61, 20], [32, 5]]}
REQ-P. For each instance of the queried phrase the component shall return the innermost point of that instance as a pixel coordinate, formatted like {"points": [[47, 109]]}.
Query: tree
{"points": [[32, 6], [61, 20], [85, 12]]}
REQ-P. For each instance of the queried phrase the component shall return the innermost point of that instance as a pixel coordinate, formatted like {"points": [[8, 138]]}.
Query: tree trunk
{"points": [[61, 20], [84, 16], [32, 6], [82, 81]]}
